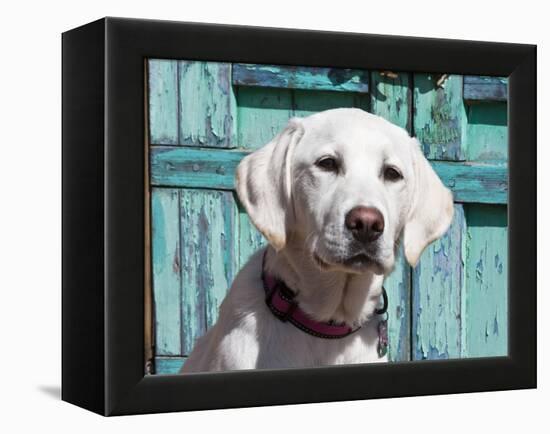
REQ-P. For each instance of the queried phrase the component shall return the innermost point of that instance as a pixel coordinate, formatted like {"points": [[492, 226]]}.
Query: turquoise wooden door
{"points": [[205, 116]]}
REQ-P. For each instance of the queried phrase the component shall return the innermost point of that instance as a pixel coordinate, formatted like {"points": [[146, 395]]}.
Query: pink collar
{"points": [[280, 300]]}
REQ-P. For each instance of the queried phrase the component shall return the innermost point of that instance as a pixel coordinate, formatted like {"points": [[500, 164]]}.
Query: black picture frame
{"points": [[104, 201]]}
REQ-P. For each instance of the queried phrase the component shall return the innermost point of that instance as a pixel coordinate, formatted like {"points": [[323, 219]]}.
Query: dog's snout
{"points": [[366, 223]]}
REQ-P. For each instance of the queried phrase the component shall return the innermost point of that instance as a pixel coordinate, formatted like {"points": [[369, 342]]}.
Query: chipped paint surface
{"points": [[301, 77], [163, 102], [206, 104], [391, 98], [166, 270], [438, 283], [485, 89], [454, 304], [439, 116], [208, 251], [486, 282]]}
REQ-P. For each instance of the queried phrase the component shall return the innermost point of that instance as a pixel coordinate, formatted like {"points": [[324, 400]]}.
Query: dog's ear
{"points": [[264, 183], [431, 209]]}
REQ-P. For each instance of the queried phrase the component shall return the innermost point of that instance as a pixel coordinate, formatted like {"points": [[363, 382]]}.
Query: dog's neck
{"points": [[326, 295]]}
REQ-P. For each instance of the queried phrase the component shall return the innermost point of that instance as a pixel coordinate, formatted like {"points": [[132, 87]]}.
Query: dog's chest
{"points": [[284, 345]]}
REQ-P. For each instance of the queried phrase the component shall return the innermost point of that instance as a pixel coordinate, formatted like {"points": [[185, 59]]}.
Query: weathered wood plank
{"points": [[485, 89], [301, 77], [207, 106], [166, 270], [208, 258], [168, 365], [440, 117], [486, 302], [487, 133], [195, 168], [163, 101], [262, 114], [215, 169], [398, 288], [474, 182], [306, 102], [391, 98], [250, 239], [438, 282]]}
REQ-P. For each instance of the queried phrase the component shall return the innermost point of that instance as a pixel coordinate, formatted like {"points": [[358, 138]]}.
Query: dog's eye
{"points": [[328, 164], [392, 174]]}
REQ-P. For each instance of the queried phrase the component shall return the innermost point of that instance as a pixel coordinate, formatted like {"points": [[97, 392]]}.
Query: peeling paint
{"points": [[439, 117], [437, 291]]}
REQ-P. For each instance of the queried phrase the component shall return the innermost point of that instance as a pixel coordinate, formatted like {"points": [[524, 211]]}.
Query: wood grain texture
{"points": [[301, 77], [391, 98], [487, 132], [486, 296], [474, 182], [439, 116], [208, 255], [262, 114], [163, 102], [438, 282], [195, 168], [210, 168], [206, 104], [485, 89], [166, 270]]}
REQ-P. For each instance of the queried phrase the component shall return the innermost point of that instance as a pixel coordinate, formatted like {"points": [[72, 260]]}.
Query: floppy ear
{"points": [[264, 184], [431, 210]]}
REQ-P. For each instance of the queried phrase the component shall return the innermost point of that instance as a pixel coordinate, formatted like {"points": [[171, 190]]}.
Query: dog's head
{"points": [[346, 184]]}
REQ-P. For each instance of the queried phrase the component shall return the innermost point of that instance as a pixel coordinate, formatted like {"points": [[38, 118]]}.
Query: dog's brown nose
{"points": [[366, 223]]}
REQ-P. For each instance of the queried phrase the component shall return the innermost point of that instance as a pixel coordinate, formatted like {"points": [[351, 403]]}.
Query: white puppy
{"points": [[333, 194]]}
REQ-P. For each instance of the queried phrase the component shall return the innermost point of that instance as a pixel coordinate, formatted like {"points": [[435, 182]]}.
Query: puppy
{"points": [[334, 194]]}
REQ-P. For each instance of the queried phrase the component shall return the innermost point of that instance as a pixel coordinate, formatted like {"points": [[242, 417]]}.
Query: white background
{"points": [[30, 231]]}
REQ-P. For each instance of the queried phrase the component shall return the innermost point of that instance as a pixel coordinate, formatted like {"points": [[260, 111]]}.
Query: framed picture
{"points": [[258, 216]]}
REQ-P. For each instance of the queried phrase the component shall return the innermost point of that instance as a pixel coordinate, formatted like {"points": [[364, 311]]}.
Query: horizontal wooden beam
{"points": [[173, 166], [485, 89], [474, 182], [300, 77], [215, 169], [168, 365]]}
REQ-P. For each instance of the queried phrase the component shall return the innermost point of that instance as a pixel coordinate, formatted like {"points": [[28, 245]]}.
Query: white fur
{"points": [[300, 209]]}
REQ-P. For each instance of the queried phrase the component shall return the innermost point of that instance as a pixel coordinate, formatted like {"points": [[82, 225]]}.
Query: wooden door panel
{"points": [[439, 116], [163, 102], [486, 307], [261, 114], [208, 258], [165, 207], [454, 314], [438, 284]]}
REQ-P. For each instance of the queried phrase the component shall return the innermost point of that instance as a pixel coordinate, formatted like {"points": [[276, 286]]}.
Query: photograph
{"points": [[303, 217]]}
